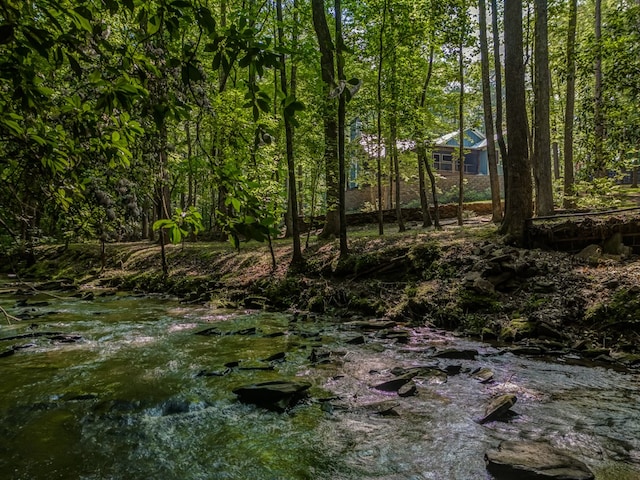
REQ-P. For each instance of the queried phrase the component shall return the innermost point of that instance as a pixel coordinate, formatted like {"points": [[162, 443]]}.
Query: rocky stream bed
{"points": [[111, 385]]}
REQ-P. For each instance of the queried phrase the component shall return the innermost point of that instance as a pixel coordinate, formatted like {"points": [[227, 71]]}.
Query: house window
{"points": [[443, 162], [470, 164]]}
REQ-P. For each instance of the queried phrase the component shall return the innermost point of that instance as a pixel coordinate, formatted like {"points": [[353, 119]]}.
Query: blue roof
{"points": [[473, 139]]}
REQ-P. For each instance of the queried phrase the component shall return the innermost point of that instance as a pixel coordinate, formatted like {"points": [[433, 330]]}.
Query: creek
{"points": [[121, 387]]}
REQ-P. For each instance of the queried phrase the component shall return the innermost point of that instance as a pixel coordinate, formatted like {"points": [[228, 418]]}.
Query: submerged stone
{"points": [[533, 461], [395, 384], [386, 408], [530, 350], [401, 336], [359, 340], [468, 354], [372, 324], [276, 357], [7, 353], [213, 373], [277, 395]]}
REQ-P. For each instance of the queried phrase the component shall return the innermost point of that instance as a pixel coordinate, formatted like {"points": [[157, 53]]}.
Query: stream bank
{"points": [[462, 280]]}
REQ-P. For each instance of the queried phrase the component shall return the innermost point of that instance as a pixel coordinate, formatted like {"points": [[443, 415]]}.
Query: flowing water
{"points": [[113, 391]]}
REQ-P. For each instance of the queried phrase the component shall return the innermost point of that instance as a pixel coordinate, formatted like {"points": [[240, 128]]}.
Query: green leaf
{"points": [[153, 25], [13, 126], [75, 66], [175, 235], [38, 139], [81, 16], [163, 223], [215, 64], [264, 105], [115, 137], [206, 20], [36, 41], [95, 77]]}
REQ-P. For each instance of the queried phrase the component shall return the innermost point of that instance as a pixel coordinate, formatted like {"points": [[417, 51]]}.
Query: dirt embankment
{"points": [[459, 279]]}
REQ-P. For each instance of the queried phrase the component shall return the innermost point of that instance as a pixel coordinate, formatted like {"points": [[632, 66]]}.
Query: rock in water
{"points": [[533, 461], [483, 375], [457, 354], [395, 384], [408, 390], [278, 395], [498, 407]]}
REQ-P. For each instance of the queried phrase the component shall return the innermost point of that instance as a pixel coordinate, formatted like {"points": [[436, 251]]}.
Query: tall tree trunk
{"points": [[498, 73], [389, 156], [461, 123], [570, 106], [434, 193], [424, 199], [296, 259], [492, 154], [519, 196], [342, 107], [190, 202], [542, 133], [393, 130], [555, 153], [598, 120], [421, 149], [294, 90], [330, 115], [379, 119]]}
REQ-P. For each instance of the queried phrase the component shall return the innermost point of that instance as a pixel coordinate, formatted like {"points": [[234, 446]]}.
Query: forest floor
{"points": [[463, 279]]}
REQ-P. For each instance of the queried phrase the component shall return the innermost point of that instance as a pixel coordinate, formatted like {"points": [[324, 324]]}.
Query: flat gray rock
{"points": [[534, 461], [498, 407]]}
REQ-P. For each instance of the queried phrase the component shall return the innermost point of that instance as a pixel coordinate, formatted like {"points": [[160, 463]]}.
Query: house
{"points": [[445, 152], [361, 194]]}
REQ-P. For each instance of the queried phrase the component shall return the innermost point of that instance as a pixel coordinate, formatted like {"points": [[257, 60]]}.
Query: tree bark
{"points": [[542, 132], [599, 169], [461, 122], [555, 152], [424, 199], [498, 73], [421, 149], [393, 129], [519, 196], [496, 207], [330, 115], [342, 107], [297, 258], [570, 106], [379, 119], [434, 193]]}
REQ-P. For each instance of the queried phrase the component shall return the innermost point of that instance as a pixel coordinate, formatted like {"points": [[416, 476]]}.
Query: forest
{"points": [[319, 239], [243, 120]]}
